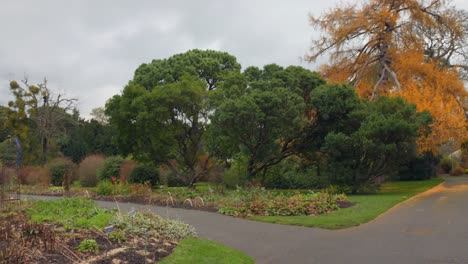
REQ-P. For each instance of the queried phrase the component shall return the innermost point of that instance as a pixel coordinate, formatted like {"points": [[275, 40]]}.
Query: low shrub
{"points": [[446, 164], [143, 173], [338, 189], [138, 189], [126, 169], [174, 181], [61, 171], [110, 168], [146, 223], [421, 167], [88, 170], [34, 175], [299, 204], [236, 175], [457, 171], [105, 188], [88, 246], [293, 173], [118, 235]]}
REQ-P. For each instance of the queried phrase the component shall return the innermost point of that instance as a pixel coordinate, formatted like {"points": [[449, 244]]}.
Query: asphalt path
{"points": [[431, 228]]}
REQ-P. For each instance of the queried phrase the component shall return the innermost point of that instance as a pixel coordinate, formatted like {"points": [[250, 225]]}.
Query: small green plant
{"points": [[118, 235], [88, 246], [105, 188], [147, 223]]}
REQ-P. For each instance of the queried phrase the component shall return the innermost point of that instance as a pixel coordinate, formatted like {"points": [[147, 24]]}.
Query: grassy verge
{"points": [[202, 251], [71, 213], [367, 207]]}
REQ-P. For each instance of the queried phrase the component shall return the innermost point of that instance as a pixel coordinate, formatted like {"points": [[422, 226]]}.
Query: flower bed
{"points": [[299, 204]]}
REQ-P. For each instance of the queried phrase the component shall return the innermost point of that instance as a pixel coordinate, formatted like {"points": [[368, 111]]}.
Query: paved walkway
{"points": [[430, 228]]}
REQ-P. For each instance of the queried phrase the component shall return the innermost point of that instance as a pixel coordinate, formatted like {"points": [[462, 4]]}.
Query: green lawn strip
{"points": [[70, 212], [367, 207], [200, 251]]}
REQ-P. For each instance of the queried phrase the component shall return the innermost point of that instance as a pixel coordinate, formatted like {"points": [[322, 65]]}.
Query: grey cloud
{"points": [[90, 49]]}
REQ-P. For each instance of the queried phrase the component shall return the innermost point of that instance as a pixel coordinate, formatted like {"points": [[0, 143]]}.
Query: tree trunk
{"points": [[44, 151]]}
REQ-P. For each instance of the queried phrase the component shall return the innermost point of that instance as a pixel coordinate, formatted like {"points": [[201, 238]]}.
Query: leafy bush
{"points": [[61, 171], [422, 167], [126, 169], [299, 204], [236, 175], [143, 173], [118, 235], [446, 164], [105, 188], [8, 152], [174, 181], [291, 174], [88, 170], [88, 246], [111, 168], [338, 189], [147, 223]]}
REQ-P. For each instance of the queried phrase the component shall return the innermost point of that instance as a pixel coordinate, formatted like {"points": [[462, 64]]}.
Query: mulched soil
{"points": [[24, 242]]}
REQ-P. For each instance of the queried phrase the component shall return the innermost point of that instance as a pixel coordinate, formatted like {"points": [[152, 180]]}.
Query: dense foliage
{"points": [[299, 204], [110, 168], [61, 172], [144, 173], [196, 116]]}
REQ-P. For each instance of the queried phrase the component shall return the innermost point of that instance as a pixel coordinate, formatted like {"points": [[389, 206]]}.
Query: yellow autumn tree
{"points": [[409, 48]]}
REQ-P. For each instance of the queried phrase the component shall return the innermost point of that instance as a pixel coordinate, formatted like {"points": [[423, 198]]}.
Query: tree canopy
{"points": [[209, 65], [409, 48]]}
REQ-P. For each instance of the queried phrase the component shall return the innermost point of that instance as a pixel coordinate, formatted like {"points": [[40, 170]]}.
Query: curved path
{"points": [[429, 228]]}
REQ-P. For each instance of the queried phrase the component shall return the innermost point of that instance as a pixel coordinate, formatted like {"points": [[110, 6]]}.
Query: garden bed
{"points": [[36, 233], [241, 202]]}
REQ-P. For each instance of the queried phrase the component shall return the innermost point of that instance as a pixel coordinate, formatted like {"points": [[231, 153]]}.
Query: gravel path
{"points": [[429, 228]]}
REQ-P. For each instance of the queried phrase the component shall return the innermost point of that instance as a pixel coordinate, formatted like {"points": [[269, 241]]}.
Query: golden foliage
{"points": [[400, 48]]}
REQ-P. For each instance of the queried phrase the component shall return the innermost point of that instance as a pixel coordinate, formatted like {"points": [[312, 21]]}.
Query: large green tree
{"points": [[163, 125], [208, 65], [384, 140], [161, 115], [88, 137], [262, 115], [260, 125]]}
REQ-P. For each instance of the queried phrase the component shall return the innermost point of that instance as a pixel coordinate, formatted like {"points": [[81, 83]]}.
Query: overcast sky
{"points": [[89, 49]]}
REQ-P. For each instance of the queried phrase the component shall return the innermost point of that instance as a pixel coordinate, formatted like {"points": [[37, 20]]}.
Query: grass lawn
{"points": [[202, 251], [367, 207], [71, 213]]}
